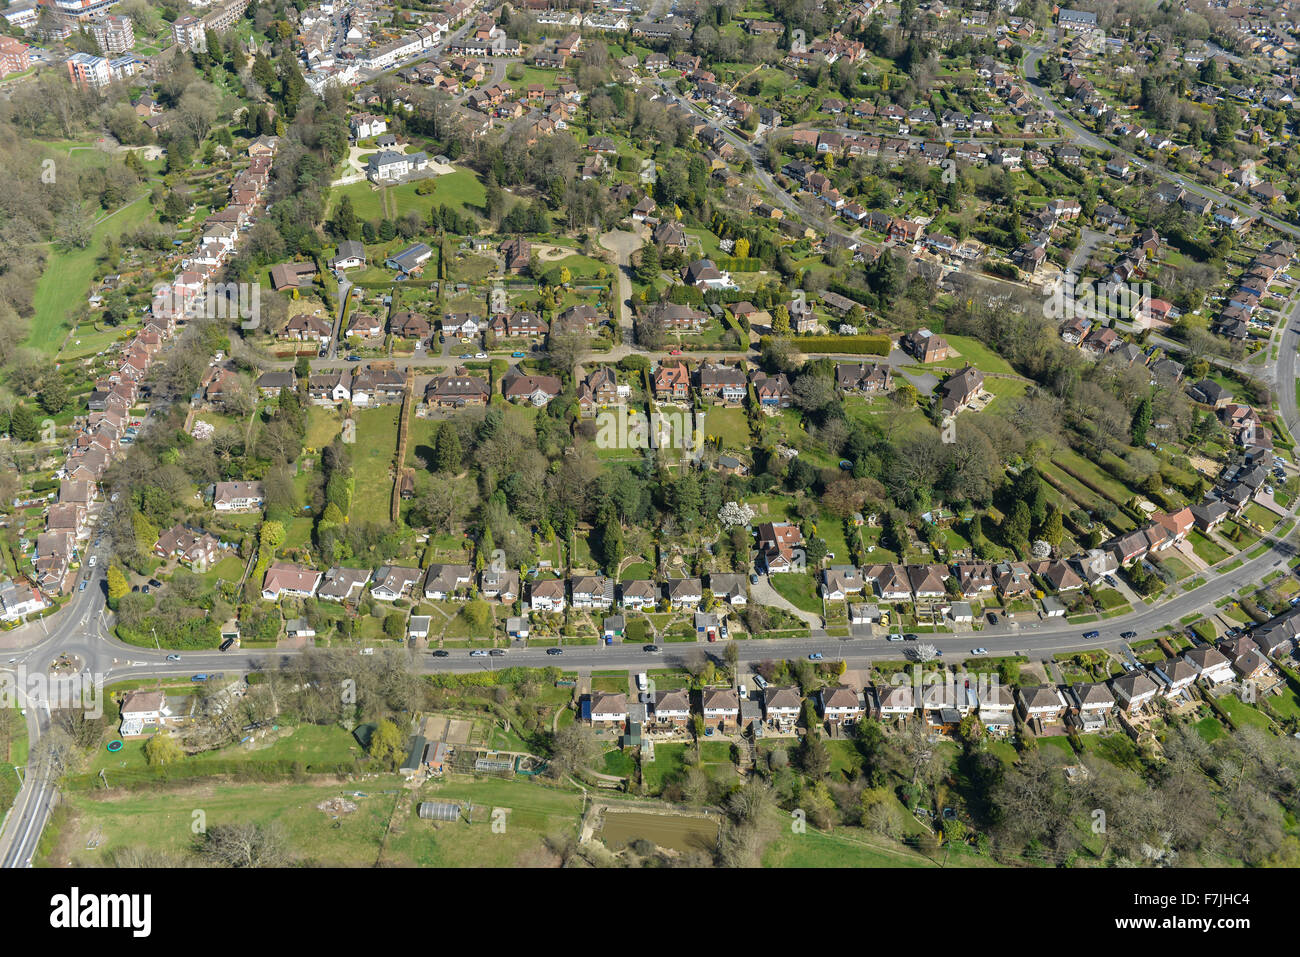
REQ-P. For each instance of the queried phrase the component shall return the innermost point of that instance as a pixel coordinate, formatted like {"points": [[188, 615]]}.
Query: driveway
{"points": [[764, 594]]}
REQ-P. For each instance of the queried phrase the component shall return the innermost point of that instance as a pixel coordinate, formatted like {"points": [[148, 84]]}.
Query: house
{"points": [[1174, 674], [891, 582], [286, 578], [608, 709], [773, 391], [238, 496], [1042, 702], [961, 389], [840, 704], [1210, 664], [672, 382], [685, 592], [536, 390], [1208, 392], [729, 588], [443, 582], [343, 584], [411, 259], [1133, 690], [897, 701], [18, 600], [455, 392], [671, 708], [190, 547], [721, 707], [862, 377], [498, 583], [925, 346], [782, 706], [394, 581], [351, 254], [723, 383], [141, 709], [546, 595], [600, 389], [516, 253], [276, 381], [638, 594], [592, 591], [703, 274], [1092, 702], [777, 542]]}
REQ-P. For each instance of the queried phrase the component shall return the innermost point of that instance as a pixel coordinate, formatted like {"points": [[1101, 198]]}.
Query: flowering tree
{"points": [[734, 514]]}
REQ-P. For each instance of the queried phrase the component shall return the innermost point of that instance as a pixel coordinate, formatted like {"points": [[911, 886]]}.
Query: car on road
{"points": [[467, 355], [908, 636], [478, 653], [555, 651], [1092, 634], [651, 649], [497, 652], [480, 355], [12, 660], [979, 651], [894, 636], [440, 653], [95, 558], [82, 586], [517, 355], [1128, 635], [815, 656]]}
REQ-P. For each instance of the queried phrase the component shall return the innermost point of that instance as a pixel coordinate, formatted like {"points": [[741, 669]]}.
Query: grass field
{"points": [[65, 283], [372, 460], [798, 589]]}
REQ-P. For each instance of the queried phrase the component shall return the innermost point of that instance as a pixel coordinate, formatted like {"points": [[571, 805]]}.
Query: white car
{"points": [[93, 560], [480, 355], [979, 651]]}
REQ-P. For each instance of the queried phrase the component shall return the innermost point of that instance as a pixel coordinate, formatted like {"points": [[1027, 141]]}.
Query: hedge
{"points": [[851, 345]]}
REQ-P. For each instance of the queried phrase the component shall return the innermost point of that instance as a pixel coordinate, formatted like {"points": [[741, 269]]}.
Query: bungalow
{"points": [[729, 588], [840, 581], [393, 581], [501, 584], [285, 578], [443, 582], [891, 582], [536, 390], [411, 259], [343, 584], [238, 496], [455, 392]]}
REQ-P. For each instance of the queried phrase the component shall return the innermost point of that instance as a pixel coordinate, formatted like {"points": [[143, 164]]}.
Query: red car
{"points": [[675, 352]]}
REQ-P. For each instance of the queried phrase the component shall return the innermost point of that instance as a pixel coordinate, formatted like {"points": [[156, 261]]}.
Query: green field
{"points": [[372, 461]]}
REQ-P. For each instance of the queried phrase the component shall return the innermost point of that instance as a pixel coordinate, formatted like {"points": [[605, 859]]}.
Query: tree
{"points": [[1141, 422], [573, 747], [734, 515], [478, 614], [161, 749], [247, 844], [780, 320], [117, 584], [23, 425], [394, 625], [448, 455], [386, 745]]}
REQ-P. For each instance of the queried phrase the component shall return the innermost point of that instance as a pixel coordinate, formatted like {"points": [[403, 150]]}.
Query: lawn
{"points": [[798, 589], [730, 425], [65, 283], [1207, 551], [372, 461]]}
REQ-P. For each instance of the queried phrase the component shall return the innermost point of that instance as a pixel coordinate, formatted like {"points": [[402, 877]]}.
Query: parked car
{"points": [[480, 355], [517, 355], [753, 579], [497, 652], [979, 651], [354, 358], [993, 619], [1110, 580], [815, 656], [478, 653], [675, 352], [894, 636]]}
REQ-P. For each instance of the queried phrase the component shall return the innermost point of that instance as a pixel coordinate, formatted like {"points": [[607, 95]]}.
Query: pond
{"points": [[676, 831]]}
